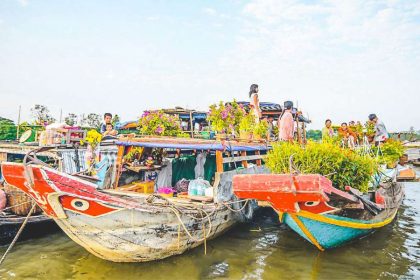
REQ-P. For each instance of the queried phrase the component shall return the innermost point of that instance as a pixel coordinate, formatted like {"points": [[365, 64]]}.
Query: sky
{"points": [[335, 59]]}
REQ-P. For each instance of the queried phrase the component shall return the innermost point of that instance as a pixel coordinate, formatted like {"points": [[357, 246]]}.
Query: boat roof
{"points": [[193, 144]]}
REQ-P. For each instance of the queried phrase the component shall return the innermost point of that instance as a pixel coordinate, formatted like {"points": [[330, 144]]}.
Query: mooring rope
{"points": [[18, 234], [10, 207]]}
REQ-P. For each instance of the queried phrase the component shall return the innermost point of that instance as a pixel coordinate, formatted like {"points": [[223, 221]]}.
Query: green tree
{"points": [[92, 120], [71, 119], [115, 119], [41, 114], [7, 129], [315, 135]]}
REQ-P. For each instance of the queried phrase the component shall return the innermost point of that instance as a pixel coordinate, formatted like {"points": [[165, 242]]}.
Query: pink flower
{"points": [[224, 114], [159, 130]]}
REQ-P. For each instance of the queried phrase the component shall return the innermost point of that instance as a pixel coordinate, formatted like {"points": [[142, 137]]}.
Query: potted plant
{"points": [[246, 126], [93, 138], [261, 130], [160, 124], [390, 152], [222, 118], [370, 130]]}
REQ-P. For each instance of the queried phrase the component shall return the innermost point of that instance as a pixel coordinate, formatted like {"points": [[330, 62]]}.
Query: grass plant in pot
{"points": [[247, 126], [261, 130], [343, 167]]}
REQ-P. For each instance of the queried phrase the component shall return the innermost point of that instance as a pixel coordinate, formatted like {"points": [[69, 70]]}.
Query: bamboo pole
{"points": [[18, 124]]}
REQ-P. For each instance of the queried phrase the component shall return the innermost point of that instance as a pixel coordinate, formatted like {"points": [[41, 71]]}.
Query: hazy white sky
{"points": [[339, 59]]}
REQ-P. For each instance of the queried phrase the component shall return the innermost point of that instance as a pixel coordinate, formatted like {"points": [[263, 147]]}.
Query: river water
{"points": [[259, 250]]}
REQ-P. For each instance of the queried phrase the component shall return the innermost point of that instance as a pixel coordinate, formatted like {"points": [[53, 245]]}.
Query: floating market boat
{"points": [[124, 219], [323, 215], [406, 174]]}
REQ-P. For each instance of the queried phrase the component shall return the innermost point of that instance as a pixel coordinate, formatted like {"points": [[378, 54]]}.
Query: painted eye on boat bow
{"points": [[79, 204]]}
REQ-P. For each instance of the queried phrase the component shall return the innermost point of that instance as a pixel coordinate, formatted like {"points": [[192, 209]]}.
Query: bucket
{"points": [[19, 202]]}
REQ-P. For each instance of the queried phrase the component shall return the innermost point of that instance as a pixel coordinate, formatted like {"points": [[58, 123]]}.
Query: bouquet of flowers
{"points": [[93, 138]]}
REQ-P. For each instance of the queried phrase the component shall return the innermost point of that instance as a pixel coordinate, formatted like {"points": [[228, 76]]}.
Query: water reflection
{"points": [[260, 250]]}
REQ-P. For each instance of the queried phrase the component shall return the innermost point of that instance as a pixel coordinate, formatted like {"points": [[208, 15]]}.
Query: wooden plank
{"points": [[244, 162], [242, 158], [219, 161], [3, 156], [120, 155], [259, 162]]}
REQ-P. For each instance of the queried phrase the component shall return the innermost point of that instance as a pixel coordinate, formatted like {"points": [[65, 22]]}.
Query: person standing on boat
{"points": [[381, 134], [254, 102], [347, 136], [327, 131], [286, 123], [107, 121]]}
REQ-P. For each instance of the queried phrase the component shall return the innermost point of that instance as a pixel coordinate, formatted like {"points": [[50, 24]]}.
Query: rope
{"points": [[234, 210], [10, 207], [17, 234]]}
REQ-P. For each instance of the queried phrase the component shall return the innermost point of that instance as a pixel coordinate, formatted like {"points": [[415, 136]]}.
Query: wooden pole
{"points": [[244, 162], [298, 132], [219, 161], [191, 125], [18, 123]]}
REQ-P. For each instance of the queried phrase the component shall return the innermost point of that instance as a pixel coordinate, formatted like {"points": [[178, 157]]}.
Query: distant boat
{"points": [[321, 214]]}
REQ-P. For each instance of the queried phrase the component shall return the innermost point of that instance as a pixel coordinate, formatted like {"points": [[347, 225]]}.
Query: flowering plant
{"points": [[159, 123], [225, 118], [93, 138]]}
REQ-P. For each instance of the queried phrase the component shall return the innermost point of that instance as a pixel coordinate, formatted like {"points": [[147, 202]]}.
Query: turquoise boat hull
{"points": [[328, 235]]}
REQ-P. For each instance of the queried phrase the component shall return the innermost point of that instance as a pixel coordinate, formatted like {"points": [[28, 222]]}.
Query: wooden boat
{"points": [[36, 226], [121, 225], [406, 174], [321, 214], [18, 204]]}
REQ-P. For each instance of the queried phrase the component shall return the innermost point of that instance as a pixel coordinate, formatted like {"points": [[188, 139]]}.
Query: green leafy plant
{"points": [[343, 167], [160, 124], [261, 129], [134, 153], [247, 123], [370, 128], [390, 151]]}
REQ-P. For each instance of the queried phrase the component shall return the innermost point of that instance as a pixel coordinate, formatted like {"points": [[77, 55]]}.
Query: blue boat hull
{"points": [[327, 235]]}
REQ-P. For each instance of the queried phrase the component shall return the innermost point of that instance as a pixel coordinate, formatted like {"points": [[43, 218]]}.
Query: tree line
{"points": [[41, 116]]}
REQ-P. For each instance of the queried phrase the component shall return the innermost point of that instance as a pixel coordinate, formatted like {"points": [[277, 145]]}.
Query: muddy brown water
{"points": [[262, 249]]}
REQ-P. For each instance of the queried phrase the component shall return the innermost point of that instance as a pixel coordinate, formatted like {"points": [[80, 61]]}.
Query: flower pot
{"points": [[245, 135], [221, 136]]}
